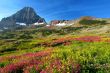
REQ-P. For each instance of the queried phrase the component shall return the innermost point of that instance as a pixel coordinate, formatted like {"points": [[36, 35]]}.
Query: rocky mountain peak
{"points": [[26, 15]]}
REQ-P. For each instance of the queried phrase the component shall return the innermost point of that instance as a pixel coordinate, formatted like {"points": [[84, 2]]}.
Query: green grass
{"points": [[93, 57]]}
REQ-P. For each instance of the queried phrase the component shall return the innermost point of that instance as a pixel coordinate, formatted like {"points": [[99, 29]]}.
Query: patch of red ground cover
{"points": [[36, 54], [33, 59], [68, 40], [56, 42], [64, 41], [18, 67], [89, 39]]}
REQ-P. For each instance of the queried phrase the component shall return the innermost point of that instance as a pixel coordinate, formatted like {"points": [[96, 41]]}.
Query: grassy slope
{"points": [[82, 57]]}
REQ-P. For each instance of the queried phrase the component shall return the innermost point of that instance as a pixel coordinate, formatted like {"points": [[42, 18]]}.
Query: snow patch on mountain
{"points": [[22, 24], [63, 24]]}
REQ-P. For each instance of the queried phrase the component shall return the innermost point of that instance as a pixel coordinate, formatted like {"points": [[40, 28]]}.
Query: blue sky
{"points": [[58, 9]]}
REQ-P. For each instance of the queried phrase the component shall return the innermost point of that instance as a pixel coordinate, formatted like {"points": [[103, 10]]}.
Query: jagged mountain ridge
{"points": [[26, 15]]}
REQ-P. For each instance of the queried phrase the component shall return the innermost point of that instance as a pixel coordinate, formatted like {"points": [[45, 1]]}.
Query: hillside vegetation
{"points": [[84, 49]]}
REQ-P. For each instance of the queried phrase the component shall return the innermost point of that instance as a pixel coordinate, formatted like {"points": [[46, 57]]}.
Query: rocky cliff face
{"points": [[26, 15]]}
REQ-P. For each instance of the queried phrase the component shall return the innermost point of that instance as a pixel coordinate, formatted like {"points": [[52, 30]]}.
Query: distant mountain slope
{"points": [[26, 15]]}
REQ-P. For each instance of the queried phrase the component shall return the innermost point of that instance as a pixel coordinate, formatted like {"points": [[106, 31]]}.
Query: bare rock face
{"points": [[26, 15]]}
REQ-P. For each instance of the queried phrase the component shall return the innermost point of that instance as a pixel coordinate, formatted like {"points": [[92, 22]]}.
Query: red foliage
{"points": [[33, 59], [89, 39], [30, 55], [64, 41], [56, 64], [38, 54], [18, 67], [68, 40], [55, 42]]}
